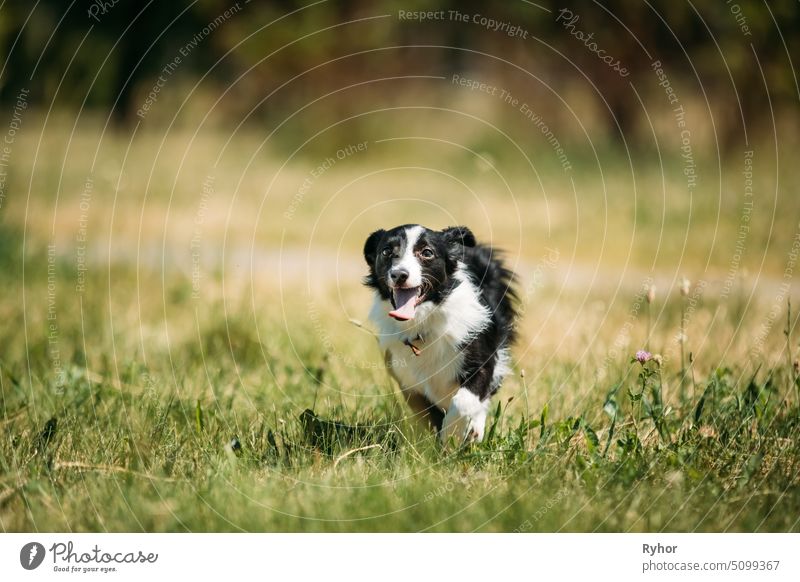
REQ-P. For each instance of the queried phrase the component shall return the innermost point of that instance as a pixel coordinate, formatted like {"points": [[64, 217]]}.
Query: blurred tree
{"points": [[107, 55]]}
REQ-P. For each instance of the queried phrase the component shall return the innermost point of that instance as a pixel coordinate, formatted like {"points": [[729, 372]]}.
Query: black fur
{"points": [[495, 283], [484, 268]]}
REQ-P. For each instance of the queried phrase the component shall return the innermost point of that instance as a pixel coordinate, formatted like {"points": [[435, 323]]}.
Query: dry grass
{"points": [[157, 381]]}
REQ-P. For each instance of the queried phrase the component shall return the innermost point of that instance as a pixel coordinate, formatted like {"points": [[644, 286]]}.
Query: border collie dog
{"points": [[444, 309]]}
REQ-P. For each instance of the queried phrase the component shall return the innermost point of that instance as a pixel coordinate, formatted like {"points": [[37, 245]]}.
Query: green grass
{"points": [[115, 461], [134, 430], [124, 445]]}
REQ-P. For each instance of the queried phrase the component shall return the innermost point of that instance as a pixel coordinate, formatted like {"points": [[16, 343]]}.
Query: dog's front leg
{"points": [[465, 419], [424, 411], [466, 416]]}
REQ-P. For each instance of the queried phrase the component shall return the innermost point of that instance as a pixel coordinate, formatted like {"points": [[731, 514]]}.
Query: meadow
{"points": [[184, 344]]}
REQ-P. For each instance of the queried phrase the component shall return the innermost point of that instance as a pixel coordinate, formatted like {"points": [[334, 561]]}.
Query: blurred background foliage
{"points": [[275, 57]]}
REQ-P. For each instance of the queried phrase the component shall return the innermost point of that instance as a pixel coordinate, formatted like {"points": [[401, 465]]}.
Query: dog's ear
{"points": [[459, 235], [371, 246]]}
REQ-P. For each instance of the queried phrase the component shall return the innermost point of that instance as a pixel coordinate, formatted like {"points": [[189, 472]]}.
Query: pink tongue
{"points": [[406, 301]]}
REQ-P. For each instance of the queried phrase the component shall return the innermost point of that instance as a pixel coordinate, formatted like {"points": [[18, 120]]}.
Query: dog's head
{"points": [[411, 264]]}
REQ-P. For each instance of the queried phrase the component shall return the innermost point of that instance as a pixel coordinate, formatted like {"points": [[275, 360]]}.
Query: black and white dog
{"points": [[444, 308]]}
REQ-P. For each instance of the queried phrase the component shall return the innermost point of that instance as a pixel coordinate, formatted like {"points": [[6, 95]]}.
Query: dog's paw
{"points": [[465, 419]]}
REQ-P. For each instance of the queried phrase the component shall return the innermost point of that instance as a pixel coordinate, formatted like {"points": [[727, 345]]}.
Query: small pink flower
{"points": [[643, 356]]}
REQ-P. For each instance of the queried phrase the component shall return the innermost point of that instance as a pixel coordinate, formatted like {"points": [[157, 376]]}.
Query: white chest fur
{"points": [[438, 331]]}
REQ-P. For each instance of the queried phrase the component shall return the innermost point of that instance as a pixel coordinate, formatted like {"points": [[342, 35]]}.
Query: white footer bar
{"points": [[387, 557]]}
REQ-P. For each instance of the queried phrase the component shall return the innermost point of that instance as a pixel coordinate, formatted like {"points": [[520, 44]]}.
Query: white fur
{"points": [[502, 367], [466, 418], [409, 261], [443, 327]]}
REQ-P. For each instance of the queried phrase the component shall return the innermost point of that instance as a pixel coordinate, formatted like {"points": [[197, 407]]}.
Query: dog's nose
{"points": [[398, 276]]}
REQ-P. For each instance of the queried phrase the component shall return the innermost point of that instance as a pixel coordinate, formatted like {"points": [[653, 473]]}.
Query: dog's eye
{"points": [[426, 254], [387, 252]]}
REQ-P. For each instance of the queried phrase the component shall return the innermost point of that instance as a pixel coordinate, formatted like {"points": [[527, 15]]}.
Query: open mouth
{"points": [[405, 302]]}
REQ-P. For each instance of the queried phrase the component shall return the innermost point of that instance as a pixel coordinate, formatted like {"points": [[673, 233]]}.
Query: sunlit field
{"points": [[185, 344]]}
